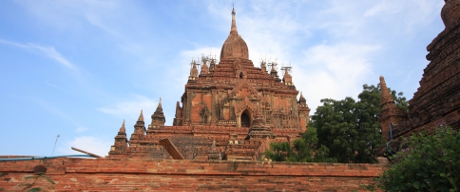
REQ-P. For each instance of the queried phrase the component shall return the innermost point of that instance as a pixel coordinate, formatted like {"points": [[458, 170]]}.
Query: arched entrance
{"points": [[245, 119]]}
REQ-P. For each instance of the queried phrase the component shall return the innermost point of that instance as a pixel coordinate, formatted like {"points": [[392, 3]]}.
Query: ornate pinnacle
{"points": [[122, 128], [141, 116], [386, 97], [233, 29]]}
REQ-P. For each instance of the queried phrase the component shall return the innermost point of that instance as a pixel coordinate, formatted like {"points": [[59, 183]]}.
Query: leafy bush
{"points": [[428, 163], [304, 149]]}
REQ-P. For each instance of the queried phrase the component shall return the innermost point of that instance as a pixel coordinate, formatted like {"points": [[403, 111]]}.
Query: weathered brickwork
{"points": [[238, 106], [438, 97], [185, 175], [232, 92]]}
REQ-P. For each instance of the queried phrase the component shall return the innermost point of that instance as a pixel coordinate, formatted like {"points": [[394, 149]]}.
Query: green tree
{"points": [[340, 130], [400, 100], [304, 149], [279, 151], [429, 163], [305, 146], [349, 128]]}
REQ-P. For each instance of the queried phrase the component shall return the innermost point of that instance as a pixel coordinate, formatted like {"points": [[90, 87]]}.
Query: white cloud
{"points": [[46, 50], [334, 71], [130, 108], [80, 129], [90, 144], [53, 54]]}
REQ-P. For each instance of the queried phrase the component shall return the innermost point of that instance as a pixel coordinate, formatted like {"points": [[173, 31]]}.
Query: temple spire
{"points": [[121, 143], [204, 67], [302, 100], [141, 116], [233, 30], [263, 67], [122, 128], [212, 65], [159, 109], [386, 97], [274, 73], [139, 129], [193, 71], [390, 115], [158, 118], [234, 46]]}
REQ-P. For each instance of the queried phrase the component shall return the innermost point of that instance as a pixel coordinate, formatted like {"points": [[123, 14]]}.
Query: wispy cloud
{"points": [[13, 43], [45, 50], [114, 20], [54, 86], [53, 54]]}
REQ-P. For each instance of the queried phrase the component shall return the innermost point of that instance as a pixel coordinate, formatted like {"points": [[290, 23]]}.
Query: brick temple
{"points": [[437, 100], [230, 110]]}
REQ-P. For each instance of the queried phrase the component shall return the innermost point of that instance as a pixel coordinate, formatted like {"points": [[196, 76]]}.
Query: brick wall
{"points": [[185, 175], [438, 97]]}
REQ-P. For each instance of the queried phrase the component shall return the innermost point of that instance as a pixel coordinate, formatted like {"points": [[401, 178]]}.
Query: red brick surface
{"points": [[187, 175], [437, 100]]}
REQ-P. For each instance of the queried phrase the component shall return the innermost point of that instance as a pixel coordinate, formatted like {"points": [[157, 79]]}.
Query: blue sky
{"points": [[79, 67]]}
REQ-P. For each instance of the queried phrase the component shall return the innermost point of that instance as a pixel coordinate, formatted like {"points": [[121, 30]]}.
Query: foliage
{"points": [[429, 163], [349, 128], [302, 149], [400, 101], [323, 155], [340, 130], [279, 151]]}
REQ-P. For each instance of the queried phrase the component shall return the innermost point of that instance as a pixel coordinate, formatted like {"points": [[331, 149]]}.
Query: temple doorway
{"points": [[245, 119]]}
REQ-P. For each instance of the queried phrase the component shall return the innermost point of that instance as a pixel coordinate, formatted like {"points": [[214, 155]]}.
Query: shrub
{"points": [[428, 163]]}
